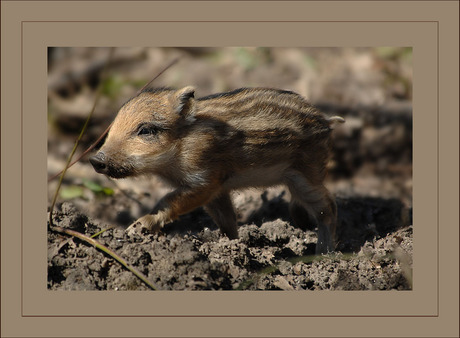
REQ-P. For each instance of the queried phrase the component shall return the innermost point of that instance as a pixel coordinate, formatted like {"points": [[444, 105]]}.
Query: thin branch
{"points": [[84, 153], [108, 251], [98, 95], [164, 70]]}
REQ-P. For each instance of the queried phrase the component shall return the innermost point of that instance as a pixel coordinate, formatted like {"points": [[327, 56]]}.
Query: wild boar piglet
{"points": [[207, 147]]}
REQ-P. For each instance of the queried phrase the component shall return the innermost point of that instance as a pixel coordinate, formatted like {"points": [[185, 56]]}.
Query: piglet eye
{"points": [[147, 130]]}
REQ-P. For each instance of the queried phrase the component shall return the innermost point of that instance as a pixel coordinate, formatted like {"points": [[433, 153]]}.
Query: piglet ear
{"points": [[183, 99]]}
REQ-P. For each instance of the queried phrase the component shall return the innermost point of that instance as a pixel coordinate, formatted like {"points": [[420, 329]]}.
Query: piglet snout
{"points": [[98, 162]]}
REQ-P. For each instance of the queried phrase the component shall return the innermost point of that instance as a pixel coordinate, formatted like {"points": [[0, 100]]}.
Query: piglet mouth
{"points": [[117, 172]]}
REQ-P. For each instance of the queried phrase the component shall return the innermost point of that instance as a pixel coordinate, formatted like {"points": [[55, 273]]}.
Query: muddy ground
{"points": [[370, 174]]}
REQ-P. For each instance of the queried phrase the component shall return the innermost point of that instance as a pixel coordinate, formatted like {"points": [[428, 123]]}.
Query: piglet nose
{"points": [[98, 162]]}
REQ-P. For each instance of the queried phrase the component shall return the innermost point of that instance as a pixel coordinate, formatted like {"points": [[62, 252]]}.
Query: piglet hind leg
{"points": [[222, 212], [300, 216], [319, 205]]}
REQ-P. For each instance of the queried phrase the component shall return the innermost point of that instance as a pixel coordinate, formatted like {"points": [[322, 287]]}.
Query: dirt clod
{"points": [[273, 256]]}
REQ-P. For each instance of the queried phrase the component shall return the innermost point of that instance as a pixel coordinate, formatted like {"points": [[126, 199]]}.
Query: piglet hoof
{"points": [[149, 224], [136, 228]]}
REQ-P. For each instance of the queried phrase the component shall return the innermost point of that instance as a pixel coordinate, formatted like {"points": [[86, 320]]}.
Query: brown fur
{"points": [[207, 147]]}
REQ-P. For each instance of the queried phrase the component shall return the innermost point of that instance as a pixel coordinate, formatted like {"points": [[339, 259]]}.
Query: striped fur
{"points": [[207, 147]]}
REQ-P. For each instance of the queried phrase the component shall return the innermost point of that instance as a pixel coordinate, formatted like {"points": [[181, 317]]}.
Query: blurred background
{"points": [[371, 169]]}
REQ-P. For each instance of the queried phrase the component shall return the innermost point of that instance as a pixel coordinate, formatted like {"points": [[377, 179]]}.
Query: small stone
{"points": [[118, 233], [283, 284], [297, 269]]}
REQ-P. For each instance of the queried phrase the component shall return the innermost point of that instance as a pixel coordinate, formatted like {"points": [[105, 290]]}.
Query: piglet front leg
{"points": [[170, 207]]}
